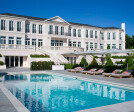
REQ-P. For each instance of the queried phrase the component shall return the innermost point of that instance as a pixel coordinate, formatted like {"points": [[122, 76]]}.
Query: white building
{"points": [[20, 34]]}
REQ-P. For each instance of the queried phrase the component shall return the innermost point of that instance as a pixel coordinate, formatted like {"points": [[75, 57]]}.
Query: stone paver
{"points": [[5, 104]]}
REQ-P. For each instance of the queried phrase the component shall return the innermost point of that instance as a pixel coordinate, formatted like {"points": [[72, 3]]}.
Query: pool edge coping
{"points": [[14, 101], [114, 107]]}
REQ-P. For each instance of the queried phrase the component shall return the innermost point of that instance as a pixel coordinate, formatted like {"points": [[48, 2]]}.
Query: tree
{"points": [[83, 62]]}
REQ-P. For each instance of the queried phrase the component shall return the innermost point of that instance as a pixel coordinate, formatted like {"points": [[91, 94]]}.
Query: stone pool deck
{"points": [[121, 107]]}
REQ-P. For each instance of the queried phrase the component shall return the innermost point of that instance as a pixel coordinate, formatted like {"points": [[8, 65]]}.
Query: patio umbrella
{"points": [[114, 51]]}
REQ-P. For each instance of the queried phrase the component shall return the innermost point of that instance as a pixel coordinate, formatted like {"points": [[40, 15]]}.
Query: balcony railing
{"points": [[59, 33], [32, 47], [21, 47], [62, 48]]}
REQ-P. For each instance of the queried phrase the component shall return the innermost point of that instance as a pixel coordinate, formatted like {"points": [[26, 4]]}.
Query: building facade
{"points": [[54, 36]]}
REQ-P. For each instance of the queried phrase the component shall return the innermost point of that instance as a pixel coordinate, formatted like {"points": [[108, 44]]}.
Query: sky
{"points": [[103, 13]]}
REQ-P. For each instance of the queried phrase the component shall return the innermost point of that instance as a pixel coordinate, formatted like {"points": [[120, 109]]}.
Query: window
{"points": [[69, 31], [40, 42], [56, 43], [56, 30], [79, 44], [91, 34], [69, 43], [96, 34], [27, 28], [27, 41], [120, 46], [114, 36], [101, 46], [113, 46], [120, 36], [108, 36], [10, 25], [96, 46], [33, 41], [74, 44], [18, 40], [102, 36], [11, 40], [2, 40], [79, 32], [34, 28], [50, 29], [91, 45], [62, 30], [40, 29], [108, 46], [74, 32], [87, 47], [87, 33], [18, 26], [2, 24]]}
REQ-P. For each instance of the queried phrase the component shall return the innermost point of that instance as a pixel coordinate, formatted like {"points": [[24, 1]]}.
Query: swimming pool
{"points": [[52, 93]]}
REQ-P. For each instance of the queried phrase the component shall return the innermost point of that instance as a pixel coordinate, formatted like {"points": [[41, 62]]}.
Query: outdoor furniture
{"points": [[79, 70], [99, 72], [70, 70], [114, 72], [124, 74], [90, 71]]}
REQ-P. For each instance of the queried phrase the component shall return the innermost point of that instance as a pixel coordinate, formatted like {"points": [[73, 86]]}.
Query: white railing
{"points": [[62, 48], [21, 47]]}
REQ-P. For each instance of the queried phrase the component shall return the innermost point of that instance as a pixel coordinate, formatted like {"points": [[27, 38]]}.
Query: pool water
{"points": [[52, 93]]}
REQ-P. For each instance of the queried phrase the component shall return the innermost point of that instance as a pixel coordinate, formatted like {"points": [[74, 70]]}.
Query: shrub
{"points": [[42, 65], [93, 64], [119, 62], [1, 63], [71, 66], [0, 55], [83, 62], [39, 56], [109, 66], [128, 60]]}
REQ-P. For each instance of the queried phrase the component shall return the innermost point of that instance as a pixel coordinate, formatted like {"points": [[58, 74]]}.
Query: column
{"points": [[18, 61]]}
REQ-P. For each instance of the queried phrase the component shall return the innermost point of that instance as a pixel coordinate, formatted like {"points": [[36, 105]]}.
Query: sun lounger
{"points": [[90, 71], [79, 70], [124, 74], [114, 72], [70, 70], [99, 72]]}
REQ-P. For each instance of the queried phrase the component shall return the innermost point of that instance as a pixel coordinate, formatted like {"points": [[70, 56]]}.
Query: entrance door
{"points": [[14, 61]]}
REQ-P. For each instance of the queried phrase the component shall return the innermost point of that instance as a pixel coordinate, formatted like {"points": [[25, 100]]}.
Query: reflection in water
{"points": [[43, 93]]}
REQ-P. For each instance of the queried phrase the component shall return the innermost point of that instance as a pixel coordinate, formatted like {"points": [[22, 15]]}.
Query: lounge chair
{"points": [[70, 70], [114, 72], [124, 74], [99, 72], [90, 71], [79, 70]]}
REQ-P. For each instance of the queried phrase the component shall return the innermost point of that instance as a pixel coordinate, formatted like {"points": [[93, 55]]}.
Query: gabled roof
{"points": [[57, 19]]}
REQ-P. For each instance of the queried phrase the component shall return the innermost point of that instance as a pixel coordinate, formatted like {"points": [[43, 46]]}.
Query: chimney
{"points": [[123, 26]]}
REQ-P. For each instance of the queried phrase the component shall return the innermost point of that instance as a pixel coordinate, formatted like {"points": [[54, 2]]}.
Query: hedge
{"points": [[0, 55], [1, 63], [39, 56], [44, 65]]}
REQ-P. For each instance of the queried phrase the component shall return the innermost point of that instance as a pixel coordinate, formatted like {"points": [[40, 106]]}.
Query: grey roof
{"points": [[42, 19], [28, 17]]}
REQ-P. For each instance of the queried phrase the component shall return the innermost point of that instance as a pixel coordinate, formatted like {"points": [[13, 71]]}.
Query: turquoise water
{"points": [[51, 93]]}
